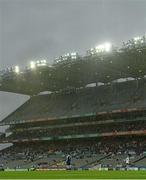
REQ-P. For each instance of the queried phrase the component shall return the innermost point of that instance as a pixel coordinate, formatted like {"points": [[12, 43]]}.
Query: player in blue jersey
{"points": [[68, 162]]}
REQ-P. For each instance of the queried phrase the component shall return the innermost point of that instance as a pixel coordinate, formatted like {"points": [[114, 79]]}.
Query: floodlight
{"points": [[92, 51], [137, 38], [73, 54], [142, 41], [42, 62], [66, 55], [32, 64], [17, 69], [99, 48], [107, 47]]}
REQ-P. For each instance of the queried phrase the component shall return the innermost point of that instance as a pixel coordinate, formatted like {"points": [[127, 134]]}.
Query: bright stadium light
{"points": [[73, 55], [42, 62], [32, 64], [99, 48], [92, 51], [107, 47], [66, 56], [57, 60], [142, 41], [137, 38], [17, 69]]}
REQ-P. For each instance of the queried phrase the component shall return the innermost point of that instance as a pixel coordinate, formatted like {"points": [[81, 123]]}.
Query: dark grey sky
{"points": [[31, 29]]}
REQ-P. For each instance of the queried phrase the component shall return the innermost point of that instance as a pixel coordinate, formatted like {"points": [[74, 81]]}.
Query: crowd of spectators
{"points": [[77, 130], [78, 149]]}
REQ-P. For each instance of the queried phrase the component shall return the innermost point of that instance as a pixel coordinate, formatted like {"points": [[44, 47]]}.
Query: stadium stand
{"points": [[85, 101], [100, 126], [88, 153]]}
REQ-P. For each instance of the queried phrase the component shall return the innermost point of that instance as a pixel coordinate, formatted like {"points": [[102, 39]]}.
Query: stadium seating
{"points": [[91, 107], [106, 152], [83, 101], [78, 102]]}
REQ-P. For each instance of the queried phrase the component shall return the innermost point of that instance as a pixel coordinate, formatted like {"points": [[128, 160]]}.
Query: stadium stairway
{"points": [[29, 164], [93, 163], [60, 162], [51, 161], [140, 161]]}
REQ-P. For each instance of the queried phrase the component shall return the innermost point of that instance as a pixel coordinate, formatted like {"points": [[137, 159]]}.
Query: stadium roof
{"points": [[130, 61]]}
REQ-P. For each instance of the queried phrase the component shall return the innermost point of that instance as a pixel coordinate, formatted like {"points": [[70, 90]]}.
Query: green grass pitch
{"points": [[74, 175]]}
